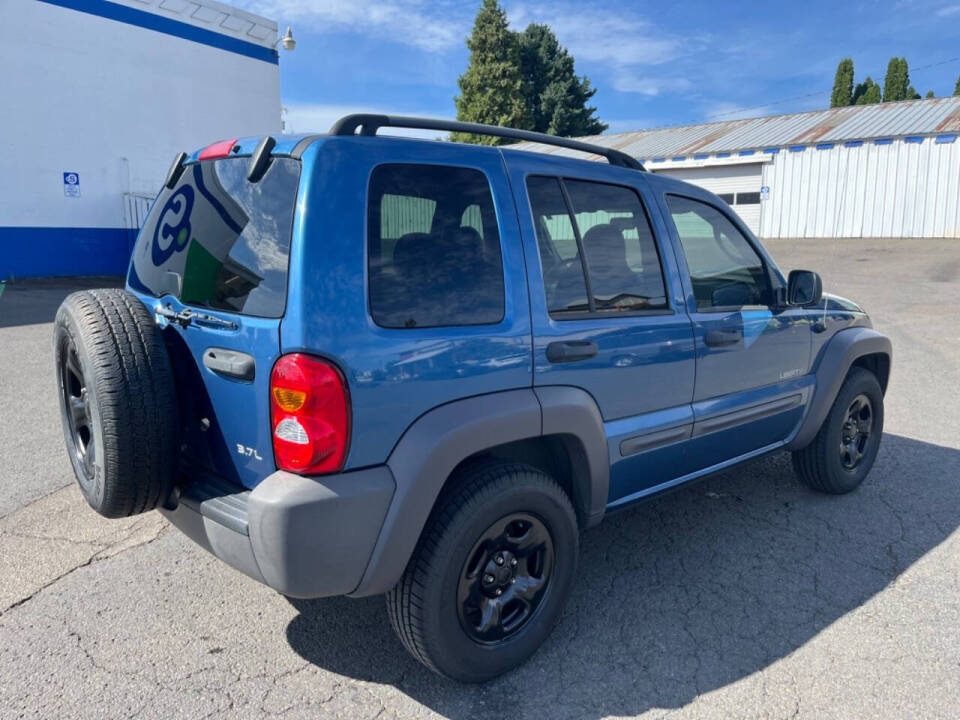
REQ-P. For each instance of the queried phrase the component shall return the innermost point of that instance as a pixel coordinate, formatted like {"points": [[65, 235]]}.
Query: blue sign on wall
{"points": [[71, 184]]}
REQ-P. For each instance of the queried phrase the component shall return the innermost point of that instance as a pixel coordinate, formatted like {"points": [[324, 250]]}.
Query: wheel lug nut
{"points": [[513, 580], [488, 579], [499, 559], [499, 591], [513, 562]]}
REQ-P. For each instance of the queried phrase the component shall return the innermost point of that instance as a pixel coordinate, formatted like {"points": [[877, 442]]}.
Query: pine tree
{"points": [[867, 93], [896, 84], [956, 88], [492, 88], [843, 84], [556, 97]]}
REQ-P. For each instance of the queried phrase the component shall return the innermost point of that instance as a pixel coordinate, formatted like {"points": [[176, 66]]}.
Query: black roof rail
{"points": [[369, 124]]}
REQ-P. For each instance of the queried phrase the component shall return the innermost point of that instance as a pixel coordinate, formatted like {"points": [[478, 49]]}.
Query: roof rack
{"points": [[369, 124]]}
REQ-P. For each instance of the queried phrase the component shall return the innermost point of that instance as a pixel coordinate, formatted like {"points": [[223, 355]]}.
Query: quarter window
{"points": [[725, 270], [596, 236], [433, 247]]}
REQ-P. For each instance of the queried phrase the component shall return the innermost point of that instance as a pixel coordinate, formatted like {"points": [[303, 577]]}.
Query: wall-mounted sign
{"points": [[764, 192], [71, 184]]}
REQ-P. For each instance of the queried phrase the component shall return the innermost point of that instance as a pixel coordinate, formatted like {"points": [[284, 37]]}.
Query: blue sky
{"points": [[654, 63]]}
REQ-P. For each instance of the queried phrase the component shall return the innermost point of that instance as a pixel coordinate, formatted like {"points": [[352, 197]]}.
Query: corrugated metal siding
{"points": [[861, 122], [900, 189]]}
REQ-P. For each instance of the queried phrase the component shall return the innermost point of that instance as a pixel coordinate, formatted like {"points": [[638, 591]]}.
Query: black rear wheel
{"points": [[490, 575]]}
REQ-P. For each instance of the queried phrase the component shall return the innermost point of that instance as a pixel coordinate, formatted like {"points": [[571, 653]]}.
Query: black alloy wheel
{"points": [[76, 406], [855, 431], [505, 578]]}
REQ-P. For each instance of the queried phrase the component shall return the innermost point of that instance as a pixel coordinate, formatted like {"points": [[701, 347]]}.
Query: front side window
{"points": [[598, 236], [725, 270], [433, 247]]}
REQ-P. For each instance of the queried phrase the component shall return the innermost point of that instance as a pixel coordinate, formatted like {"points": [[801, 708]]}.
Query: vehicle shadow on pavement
{"points": [[686, 594], [35, 300]]}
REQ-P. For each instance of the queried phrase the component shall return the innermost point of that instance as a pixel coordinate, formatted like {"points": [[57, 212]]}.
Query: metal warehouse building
{"points": [[887, 170], [98, 99]]}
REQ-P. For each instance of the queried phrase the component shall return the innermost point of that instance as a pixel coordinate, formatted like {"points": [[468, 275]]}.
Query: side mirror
{"points": [[804, 287]]}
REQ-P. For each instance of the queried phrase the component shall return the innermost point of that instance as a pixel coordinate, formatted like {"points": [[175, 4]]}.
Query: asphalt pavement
{"points": [[744, 596]]}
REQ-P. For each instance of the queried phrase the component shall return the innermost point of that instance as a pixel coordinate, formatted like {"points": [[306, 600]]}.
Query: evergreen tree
{"points": [[930, 94], [867, 93], [956, 88], [556, 97], [896, 84], [843, 84], [492, 88]]}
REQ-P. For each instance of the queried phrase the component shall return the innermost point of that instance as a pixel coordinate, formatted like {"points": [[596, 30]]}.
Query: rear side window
{"points": [[433, 247], [597, 236], [218, 241]]}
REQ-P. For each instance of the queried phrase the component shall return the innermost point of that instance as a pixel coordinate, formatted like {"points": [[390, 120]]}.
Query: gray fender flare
{"points": [[836, 358], [439, 440]]}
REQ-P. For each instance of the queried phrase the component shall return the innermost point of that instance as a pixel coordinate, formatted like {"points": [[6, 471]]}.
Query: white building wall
{"points": [[895, 189], [115, 102]]}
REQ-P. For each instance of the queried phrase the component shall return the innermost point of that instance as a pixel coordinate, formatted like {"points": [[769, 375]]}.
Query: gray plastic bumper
{"points": [[305, 537]]}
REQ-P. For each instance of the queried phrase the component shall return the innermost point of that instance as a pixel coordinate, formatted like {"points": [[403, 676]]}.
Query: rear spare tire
{"points": [[117, 401]]}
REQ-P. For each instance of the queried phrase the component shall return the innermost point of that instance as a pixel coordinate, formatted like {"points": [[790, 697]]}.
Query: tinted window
{"points": [[622, 264], [218, 241], [563, 277], [434, 247], [725, 269], [726, 197], [748, 198]]}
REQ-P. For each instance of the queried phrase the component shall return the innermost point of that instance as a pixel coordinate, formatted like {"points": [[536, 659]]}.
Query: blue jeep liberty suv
{"points": [[349, 364]]}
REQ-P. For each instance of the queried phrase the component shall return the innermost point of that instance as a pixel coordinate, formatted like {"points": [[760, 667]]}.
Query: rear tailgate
{"points": [[211, 262]]}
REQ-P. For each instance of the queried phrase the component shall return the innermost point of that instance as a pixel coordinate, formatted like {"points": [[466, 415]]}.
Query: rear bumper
{"points": [[304, 537]]}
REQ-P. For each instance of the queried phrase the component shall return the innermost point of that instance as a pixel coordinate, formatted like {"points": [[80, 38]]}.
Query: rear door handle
{"points": [[724, 336], [571, 351], [231, 363]]}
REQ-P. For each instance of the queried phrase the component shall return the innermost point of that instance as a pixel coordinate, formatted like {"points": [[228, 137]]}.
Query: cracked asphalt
{"points": [[745, 596]]}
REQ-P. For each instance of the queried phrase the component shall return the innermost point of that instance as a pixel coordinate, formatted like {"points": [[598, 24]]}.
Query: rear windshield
{"points": [[218, 241]]}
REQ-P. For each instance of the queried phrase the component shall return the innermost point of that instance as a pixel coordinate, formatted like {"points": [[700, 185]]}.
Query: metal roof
{"points": [[858, 122]]}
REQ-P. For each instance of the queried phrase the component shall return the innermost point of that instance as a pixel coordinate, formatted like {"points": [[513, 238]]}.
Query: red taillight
{"points": [[310, 415], [217, 150]]}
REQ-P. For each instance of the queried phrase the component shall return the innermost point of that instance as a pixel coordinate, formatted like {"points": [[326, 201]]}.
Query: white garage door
{"points": [[738, 185]]}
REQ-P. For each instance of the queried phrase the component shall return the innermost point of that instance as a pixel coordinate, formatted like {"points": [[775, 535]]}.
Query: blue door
{"points": [[753, 357], [608, 313]]}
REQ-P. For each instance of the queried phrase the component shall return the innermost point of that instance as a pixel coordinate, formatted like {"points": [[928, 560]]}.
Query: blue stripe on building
{"points": [[772, 151], [168, 26], [946, 139], [46, 251]]}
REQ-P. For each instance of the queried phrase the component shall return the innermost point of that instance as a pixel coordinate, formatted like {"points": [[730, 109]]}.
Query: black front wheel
{"points": [[490, 575], [846, 446]]}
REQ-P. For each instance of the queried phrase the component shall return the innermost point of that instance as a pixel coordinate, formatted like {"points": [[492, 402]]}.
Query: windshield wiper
{"points": [[187, 317]]}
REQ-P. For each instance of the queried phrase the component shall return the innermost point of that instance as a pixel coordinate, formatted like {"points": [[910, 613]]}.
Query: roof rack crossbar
{"points": [[368, 124]]}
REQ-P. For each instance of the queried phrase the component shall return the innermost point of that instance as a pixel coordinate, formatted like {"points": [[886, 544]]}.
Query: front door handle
{"points": [[571, 351], [724, 336]]}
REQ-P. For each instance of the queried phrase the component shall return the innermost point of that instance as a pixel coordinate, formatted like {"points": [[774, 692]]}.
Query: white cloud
{"points": [[948, 10], [633, 81], [318, 117], [435, 28], [621, 38]]}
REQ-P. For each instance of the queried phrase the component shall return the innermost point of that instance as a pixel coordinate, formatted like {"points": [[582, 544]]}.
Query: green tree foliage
{"points": [[492, 88], [896, 84], [956, 88], [843, 84], [556, 97], [930, 94], [867, 93]]}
